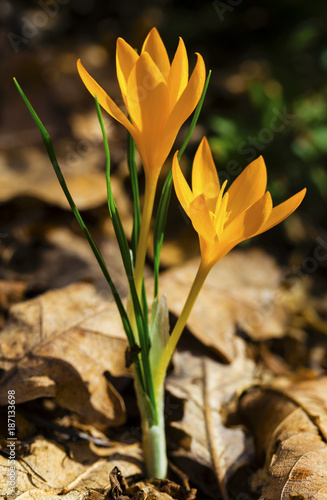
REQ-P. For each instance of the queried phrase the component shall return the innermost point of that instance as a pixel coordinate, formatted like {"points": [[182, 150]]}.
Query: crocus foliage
{"points": [[159, 96], [222, 218]]}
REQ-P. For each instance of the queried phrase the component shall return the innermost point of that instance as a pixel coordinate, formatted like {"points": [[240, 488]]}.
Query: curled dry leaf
{"points": [[245, 291], [51, 468], [207, 386], [38, 494], [11, 292], [59, 345], [87, 185], [290, 424]]}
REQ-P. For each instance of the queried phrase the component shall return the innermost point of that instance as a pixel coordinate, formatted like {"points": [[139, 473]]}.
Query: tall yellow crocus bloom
{"points": [[222, 219], [159, 97]]}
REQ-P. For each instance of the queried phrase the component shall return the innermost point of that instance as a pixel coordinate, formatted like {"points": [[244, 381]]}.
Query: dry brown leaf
{"points": [[83, 169], [244, 290], [87, 187], [38, 494], [11, 292], [59, 345], [80, 264], [290, 424], [207, 386], [52, 468]]}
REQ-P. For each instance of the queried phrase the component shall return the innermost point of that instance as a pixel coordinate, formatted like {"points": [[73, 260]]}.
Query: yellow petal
{"points": [[207, 249], [126, 58], [282, 211], [148, 106], [178, 74], [204, 173], [155, 47], [246, 225], [247, 188], [187, 101], [183, 191], [147, 94], [201, 219], [104, 100]]}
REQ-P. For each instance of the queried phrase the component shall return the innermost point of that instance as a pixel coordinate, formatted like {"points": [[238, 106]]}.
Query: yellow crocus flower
{"points": [[159, 96], [223, 218]]}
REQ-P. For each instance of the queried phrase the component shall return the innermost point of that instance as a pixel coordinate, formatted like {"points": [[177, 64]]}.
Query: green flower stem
{"points": [[149, 195], [179, 327], [160, 223]]}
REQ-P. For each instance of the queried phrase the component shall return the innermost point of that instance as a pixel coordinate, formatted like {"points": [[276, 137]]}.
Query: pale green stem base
{"points": [[153, 434]]}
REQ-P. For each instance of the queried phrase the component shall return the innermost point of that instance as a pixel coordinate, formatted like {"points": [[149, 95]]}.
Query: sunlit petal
{"points": [[247, 188], [155, 47], [204, 174], [148, 106], [178, 75], [147, 94], [126, 58], [103, 98], [245, 225], [187, 101], [283, 210], [183, 191], [201, 219]]}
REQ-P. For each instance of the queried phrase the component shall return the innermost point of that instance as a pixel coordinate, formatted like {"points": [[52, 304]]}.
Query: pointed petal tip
{"points": [[283, 210], [204, 141], [153, 32]]}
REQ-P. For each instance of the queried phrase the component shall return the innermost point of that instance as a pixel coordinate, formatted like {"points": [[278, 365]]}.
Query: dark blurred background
{"points": [[267, 96]]}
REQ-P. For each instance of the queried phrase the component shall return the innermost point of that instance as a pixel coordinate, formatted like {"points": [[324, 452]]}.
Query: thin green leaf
{"points": [[159, 228], [195, 117], [52, 156], [141, 317], [136, 198], [160, 223]]}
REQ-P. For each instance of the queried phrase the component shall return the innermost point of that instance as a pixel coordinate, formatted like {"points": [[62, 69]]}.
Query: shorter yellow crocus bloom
{"points": [[222, 219]]}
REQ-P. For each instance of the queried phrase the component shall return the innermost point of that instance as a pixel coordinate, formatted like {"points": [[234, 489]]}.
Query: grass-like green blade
{"points": [[140, 316], [159, 228], [136, 211], [195, 117], [135, 191], [52, 156]]}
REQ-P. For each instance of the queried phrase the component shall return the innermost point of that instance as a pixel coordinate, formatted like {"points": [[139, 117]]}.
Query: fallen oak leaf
{"points": [[86, 183], [206, 386], [245, 292], [42, 350], [52, 468], [11, 292], [290, 427]]}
